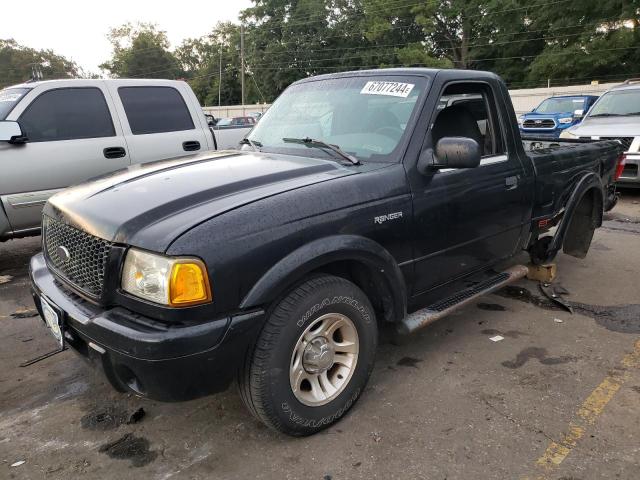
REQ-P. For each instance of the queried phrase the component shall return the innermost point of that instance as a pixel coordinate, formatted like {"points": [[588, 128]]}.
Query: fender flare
{"points": [[322, 252], [590, 181]]}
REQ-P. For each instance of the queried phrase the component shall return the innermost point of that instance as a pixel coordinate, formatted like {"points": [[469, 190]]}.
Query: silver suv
{"points": [[616, 114]]}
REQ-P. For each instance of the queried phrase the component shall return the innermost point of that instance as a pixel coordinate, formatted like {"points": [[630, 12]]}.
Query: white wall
{"points": [[235, 110], [524, 100]]}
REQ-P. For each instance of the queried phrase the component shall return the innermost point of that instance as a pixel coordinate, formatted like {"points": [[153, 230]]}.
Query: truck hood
{"points": [[150, 205], [608, 127], [534, 115]]}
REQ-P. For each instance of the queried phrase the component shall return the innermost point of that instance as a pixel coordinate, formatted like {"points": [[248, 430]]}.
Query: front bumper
{"points": [[143, 356]]}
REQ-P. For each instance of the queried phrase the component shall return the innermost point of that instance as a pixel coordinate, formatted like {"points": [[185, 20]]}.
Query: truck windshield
{"points": [[366, 117], [620, 103], [561, 105], [9, 98]]}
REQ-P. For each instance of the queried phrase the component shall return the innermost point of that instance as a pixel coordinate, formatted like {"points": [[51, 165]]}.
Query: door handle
{"points": [[511, 183], [114, 152], [191, 146]]}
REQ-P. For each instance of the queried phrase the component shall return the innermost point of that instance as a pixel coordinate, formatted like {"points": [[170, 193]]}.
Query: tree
{"points": [[141, 51], [17, 63], [202, 58], [589, 40]]}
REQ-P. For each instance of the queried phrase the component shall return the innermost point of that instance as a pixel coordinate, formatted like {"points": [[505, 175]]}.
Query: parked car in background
{"points": [[255, 115], [616, 115], [243, 121], [555, 114], [72, 130], [357, 203], [211, 120]]}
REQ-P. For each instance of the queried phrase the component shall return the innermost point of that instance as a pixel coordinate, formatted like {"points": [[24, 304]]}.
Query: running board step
{"points": [[444, 307]]}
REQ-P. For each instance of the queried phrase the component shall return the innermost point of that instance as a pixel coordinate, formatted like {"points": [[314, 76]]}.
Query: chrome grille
{"points": [[87, 255], [539, 123]]}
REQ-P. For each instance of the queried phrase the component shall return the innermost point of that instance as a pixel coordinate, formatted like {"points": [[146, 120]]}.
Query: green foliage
{"points": [[526, 42], [141, 51], [16, 62]]}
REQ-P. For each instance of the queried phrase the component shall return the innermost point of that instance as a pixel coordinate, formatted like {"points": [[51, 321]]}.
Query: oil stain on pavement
{"points": [[491, 307], [409, 362], [132, 448], [106, 419], [617, 318], [538, 353]]}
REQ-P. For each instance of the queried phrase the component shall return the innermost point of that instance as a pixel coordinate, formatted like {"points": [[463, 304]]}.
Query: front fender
{"points": [[325, 251]]}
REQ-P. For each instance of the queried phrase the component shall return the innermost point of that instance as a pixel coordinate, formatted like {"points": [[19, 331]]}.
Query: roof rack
{"points": [[631, 80]]}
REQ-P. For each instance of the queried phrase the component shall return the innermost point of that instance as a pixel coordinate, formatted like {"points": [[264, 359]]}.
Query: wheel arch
{"points": [[358, 259], [582, 215]]}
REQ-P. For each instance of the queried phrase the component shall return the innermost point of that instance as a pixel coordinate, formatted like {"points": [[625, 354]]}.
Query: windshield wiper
{"points": [[252, 143], [310, 142], [606, 115]]}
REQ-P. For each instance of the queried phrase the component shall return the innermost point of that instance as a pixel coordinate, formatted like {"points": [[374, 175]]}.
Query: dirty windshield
{"points": [[9, 97], [561, 105], [617, 104], [366, 117]]}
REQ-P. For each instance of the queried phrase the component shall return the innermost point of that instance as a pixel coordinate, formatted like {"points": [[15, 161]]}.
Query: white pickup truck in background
{"points": [[78, 129]]}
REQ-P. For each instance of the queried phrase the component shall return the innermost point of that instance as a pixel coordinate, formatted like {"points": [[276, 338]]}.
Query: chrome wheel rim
{"points": [[324, 359]]}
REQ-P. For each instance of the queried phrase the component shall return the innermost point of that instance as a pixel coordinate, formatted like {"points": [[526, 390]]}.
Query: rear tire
{"points": [[313, 357]]}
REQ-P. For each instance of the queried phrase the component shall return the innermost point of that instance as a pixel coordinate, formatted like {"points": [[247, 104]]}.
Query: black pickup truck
{"points": [[360, 199]]}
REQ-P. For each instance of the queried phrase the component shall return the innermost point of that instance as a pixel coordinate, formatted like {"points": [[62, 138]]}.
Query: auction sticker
{"points": [[394, 89]]}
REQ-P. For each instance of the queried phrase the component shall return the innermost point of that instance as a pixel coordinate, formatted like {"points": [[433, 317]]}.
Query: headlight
{"points": [[520, 120], [565, 120], [177, 282], [567, 134]]}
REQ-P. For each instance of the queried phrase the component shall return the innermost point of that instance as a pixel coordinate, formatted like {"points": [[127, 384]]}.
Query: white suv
{"points": [[616, 114]]}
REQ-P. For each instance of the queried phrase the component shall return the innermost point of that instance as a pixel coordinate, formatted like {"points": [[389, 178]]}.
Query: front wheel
{"points": [[313, 357]]}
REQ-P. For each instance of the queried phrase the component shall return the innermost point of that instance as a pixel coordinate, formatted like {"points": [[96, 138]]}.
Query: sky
{"points": [[78, 29]]}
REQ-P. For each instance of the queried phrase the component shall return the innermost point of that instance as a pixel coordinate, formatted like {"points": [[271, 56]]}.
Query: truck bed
{"points": [[558, 162]]}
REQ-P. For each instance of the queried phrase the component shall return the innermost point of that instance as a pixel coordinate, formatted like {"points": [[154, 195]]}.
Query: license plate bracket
{"points": [[54, 320]]}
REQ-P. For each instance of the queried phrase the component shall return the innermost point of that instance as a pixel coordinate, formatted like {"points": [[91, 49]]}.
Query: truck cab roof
{"points": [[96, 81]]}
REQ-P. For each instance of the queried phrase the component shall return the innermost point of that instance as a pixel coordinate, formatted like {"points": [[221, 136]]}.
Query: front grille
{"points": [[87, 255], [539, 123]]}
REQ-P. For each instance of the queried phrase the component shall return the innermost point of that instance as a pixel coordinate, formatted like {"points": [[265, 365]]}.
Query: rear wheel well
{"points": [[370, 280], [586, 217]]}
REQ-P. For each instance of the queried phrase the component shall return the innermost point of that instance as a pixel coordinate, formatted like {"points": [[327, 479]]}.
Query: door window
{"points": [[469, 110], [67, 114], [155, 110]]}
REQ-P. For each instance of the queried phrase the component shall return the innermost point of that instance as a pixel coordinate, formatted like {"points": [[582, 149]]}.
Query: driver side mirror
{"points": [[451, 152], [11, 132]]}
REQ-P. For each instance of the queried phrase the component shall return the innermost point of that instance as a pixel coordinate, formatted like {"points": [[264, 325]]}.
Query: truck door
{"points": [[466, 219], [72, 137], [160, 122]]}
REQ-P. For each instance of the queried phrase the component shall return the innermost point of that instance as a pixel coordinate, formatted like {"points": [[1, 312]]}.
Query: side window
{"points": [[469, 110], [155, 110], [67, 114]]}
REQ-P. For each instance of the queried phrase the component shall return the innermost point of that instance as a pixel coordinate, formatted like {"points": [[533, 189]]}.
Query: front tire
{"points": [[312, 358]]}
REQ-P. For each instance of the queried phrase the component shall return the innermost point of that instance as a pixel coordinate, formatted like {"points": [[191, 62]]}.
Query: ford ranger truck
{"points": [[355, 203], [555, 114]]}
